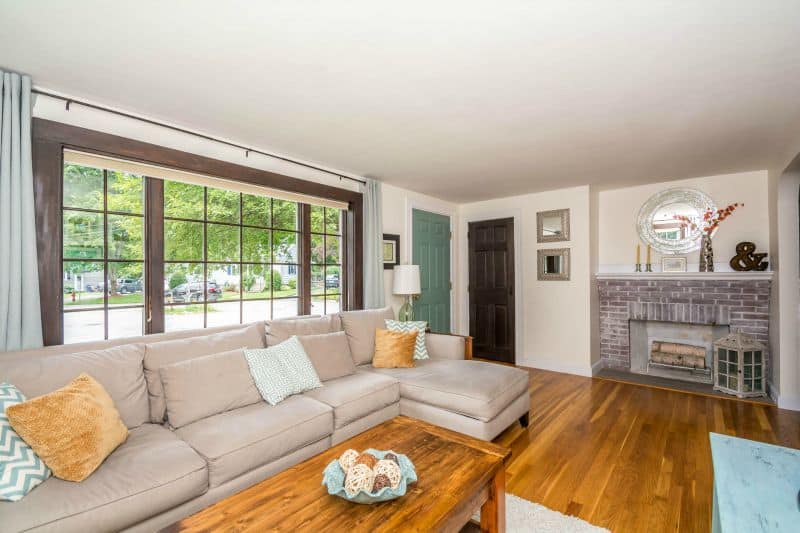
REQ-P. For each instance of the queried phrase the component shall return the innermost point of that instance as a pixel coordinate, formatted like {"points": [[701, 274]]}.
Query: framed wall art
{"points": [[391, 251]]}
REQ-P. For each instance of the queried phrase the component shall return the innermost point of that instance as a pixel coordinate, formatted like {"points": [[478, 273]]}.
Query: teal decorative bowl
{"points": [[333, 479]]}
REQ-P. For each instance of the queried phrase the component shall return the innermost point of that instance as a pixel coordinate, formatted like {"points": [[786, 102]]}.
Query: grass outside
{"points": [[95, 298]]}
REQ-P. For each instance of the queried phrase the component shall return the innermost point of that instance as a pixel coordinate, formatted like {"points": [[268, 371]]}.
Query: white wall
{"points": [[618, 209], [775, 261], [553, 317], [784, 333], [397, 206]]}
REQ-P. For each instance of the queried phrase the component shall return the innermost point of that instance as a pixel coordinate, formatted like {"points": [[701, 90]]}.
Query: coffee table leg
{"points": [[493, 512]]}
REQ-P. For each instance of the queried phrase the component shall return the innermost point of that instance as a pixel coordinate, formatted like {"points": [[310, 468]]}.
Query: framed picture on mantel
{"points": [[673, 264]]}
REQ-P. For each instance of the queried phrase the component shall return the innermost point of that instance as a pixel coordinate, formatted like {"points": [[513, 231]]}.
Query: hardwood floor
{"points": [[628, 457]]}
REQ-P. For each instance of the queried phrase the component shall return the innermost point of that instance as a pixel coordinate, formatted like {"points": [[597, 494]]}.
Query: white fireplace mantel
{"points": [[723, 276]]}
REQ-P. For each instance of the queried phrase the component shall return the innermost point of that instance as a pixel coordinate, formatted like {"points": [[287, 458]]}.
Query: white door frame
{"points": [[422, 205]]}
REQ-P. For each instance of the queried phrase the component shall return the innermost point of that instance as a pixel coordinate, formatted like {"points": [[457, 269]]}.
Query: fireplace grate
{"points": [[702, 375]]}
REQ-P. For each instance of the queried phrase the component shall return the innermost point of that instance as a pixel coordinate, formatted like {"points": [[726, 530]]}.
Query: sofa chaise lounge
{"points": [[163, 473]]}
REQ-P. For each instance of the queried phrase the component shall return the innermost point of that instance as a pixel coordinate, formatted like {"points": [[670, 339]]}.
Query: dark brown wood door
{"points": [[491, 289]]}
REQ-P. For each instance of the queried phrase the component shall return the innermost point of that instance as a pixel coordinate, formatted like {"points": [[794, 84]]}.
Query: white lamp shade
{"points": [[406, 279]]}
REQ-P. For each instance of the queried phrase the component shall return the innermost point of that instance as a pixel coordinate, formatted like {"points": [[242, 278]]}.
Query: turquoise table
{"points": [[755, 486]]}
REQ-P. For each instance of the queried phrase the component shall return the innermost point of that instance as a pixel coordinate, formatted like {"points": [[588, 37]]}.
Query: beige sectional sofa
{"points": [[197, 434]]}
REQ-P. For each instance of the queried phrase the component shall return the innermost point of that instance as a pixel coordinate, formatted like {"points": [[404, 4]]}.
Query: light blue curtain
{"points": [[373, 245], [20, 318]]}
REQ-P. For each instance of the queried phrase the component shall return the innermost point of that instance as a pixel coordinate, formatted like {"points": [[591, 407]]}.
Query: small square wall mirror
{"points": [[552, 226], [553, 264]]}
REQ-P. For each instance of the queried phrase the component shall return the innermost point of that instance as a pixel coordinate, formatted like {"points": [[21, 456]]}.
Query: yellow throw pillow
{"points": [[394, 349], [72, 429]]}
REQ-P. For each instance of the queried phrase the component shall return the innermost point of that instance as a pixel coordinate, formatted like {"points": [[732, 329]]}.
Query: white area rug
{"points": [[523, 516]]}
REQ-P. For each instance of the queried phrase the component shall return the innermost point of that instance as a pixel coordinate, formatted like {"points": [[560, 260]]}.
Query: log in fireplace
{"points": [[676, 354]]}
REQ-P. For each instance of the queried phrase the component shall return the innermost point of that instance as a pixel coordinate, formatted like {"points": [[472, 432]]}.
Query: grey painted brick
{"points": [[742, 304]]}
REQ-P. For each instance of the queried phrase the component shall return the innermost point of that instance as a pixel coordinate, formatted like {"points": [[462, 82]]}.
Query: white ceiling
{"points": [[460, 100]]}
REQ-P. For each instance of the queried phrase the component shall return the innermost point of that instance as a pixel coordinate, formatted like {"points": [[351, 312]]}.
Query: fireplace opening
{"points": [[675, 350], [680, 356]]}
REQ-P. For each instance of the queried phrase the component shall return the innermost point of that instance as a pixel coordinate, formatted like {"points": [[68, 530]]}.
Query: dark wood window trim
{"points": [[51, 138]]}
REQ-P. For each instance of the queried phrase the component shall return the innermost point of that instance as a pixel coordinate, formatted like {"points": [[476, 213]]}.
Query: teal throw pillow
{"points": [[20, 468], [282, 370]]}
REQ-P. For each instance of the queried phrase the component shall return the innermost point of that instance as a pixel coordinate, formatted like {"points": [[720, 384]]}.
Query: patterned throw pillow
{"points": [[20, 468], [420, 350], [282, 370]]}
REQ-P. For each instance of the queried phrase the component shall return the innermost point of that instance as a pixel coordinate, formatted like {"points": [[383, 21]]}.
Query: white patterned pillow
{"points": [[282, 370], [420, 349], [20, 468]]}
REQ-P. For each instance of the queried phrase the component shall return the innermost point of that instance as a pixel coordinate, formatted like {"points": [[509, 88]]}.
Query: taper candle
{"points": [[648, 254], [638, 254]]}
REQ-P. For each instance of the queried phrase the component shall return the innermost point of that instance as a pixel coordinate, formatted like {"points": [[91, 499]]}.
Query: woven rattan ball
{"points": [[390, 470], [392, 457], [348, 460], [367, 459], [359, 478], [381, 481]]}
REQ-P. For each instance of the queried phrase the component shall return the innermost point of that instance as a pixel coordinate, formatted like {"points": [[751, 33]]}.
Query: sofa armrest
{"points": [[447, 346]]}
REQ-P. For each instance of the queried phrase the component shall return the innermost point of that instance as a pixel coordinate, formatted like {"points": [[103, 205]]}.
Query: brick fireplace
{"points": [[715, 301]]}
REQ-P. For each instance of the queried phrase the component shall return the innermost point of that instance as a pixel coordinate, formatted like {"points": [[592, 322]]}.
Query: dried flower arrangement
{"points": [[711, 219]]}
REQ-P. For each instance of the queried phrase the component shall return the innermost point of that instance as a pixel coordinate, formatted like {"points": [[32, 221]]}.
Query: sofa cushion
{"points": [[421, 368], [165, 353], [443, 346], [360, 328], [117, 369], [243, 439], [208, 385], [330, 354], [471, 388], [282, 329], [73, 429], [356, 396], [153, 471]]}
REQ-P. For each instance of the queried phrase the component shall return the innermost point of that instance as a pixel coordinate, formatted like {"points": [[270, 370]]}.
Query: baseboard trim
{"points": [[792, 403], [597, 366], [564, 368]]}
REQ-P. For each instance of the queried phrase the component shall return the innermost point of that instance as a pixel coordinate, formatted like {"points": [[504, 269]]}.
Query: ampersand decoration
{"points": [[745, 258]]}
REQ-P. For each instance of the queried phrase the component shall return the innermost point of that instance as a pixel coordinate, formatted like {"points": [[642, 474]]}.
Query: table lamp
{"points": [[406, 283]]}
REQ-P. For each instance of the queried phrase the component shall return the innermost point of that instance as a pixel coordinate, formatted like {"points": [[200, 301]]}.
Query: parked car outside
{"points": [[129, 286], [193, 292], [94, 287], [332, 281]]}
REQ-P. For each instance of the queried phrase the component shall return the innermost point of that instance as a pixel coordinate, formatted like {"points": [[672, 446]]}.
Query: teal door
{"points": [[431, 251]]}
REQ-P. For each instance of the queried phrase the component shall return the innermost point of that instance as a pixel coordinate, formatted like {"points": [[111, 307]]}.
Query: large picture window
{"points": [[326, 259], [228, 257], [102, 254]]}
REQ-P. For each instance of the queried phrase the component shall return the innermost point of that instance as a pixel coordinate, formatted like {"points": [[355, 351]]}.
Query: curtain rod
{"points": [[247, 151]]}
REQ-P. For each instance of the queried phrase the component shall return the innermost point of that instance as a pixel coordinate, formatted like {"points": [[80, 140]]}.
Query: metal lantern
{"points": [[739, 366]]}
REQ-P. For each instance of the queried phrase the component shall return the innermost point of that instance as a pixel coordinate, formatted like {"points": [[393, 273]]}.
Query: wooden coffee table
{"points": [[457, 476]]}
